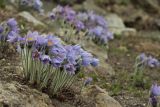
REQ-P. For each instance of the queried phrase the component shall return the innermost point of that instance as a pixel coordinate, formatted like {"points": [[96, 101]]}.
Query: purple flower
{"points": [[153, 101], [88, 81], [69, 11], [58, 50], [41, 40], [101, 21], [79, 25], [73, 53], [77, 47], [45, 59], [94, 62], [82, 16], [86, 61], [35, 54], [24, 2], [13, 37], [52, 15], [149, 61], [1, 29], [92, 16], [110, 35], [97, 31], [86, 58], [70, 68], [12, 23], [52, 40], [155, 90], [59, 9], [152, 62], [57, 61], [37, 5], [31, 36], [142, 57]]}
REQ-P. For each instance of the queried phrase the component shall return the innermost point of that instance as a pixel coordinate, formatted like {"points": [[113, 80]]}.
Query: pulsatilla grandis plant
{"points": [[50, 64], [8, 31], [143, 61], [31, 4], [88, 24]]}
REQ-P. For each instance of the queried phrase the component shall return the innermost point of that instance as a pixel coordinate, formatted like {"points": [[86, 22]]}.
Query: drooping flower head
{"points": [[57, 61], [95, 62], [37, 5], [45, 59], [152, 62], [149, 60], [13, 37], [36, 55], [1, 29], [155, 90], [70, 68], [52, 40], [31, 36], [12, 23], [88, 81]]}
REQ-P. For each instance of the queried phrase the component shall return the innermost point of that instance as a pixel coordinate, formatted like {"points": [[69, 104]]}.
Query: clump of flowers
{"points": [[9, 31], [149, 61], [97, 27], [49, 63], [67, 15], [35, 4], [69, 24], [92, 25], [143, 61]]}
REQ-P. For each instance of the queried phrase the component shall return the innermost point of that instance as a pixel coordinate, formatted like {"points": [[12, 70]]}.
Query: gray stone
{"points": [[150, 5], [100, 96], [27, 16], [91, 6], [16, 95], [116, 25]]}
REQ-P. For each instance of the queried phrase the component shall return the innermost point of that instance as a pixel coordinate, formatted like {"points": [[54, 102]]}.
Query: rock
{"points": [[157, 23], [149, 5], [26, 15], [62, 104], [16, 95], [116, 25], [91, 6], [104, 100], [100, 96]]}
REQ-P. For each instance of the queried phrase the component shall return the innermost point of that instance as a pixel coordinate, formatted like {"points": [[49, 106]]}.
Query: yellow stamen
{"points": [[50, 43], [30, 39]]}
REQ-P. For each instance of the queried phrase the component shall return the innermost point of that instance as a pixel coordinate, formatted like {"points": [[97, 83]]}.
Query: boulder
{"points": [[100, 96], [16, 95], [116, 25], [89, 5], [30, 18]]}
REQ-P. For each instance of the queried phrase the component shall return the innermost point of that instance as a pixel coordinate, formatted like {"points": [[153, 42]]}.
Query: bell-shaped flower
{"points": [[70, 68], [13, 37], [155, 90], [31, 36], [88, 81], [52, 40], [95, 62], [45, 59], [152, 62], [12, 23]]}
